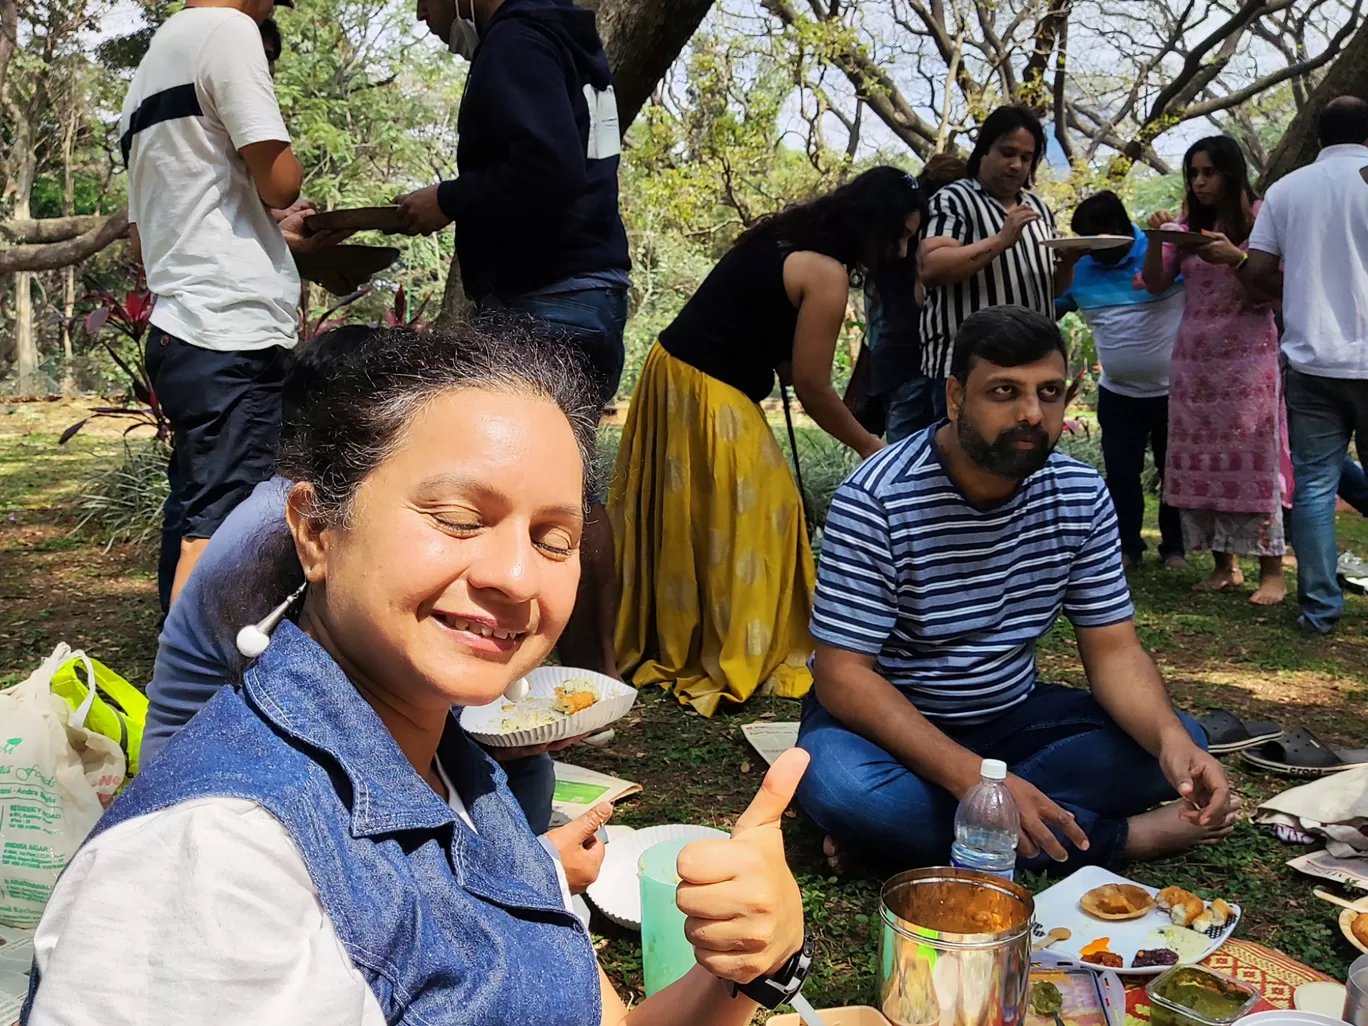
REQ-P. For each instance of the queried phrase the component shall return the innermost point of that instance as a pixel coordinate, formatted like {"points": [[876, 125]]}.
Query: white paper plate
{"points": [[1346, 924], [1290, 1017], [617, 891], [481, 722], [1088, 242], [1058, 906]]}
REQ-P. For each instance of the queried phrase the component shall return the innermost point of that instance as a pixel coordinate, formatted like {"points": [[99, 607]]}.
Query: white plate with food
{"points": [[1354, 925], [617, 891], [1087, 243], [561, 702], [1163, 927]]}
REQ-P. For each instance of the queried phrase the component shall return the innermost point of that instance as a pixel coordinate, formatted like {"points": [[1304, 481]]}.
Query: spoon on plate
{"points": [[1059, 933], [1335, 900]]}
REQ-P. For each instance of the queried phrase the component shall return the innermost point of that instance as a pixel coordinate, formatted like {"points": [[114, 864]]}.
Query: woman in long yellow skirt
{"points": [[712, 553]]}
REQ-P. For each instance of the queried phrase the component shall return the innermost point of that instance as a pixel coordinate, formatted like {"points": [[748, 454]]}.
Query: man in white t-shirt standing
{"points": [[212, 191], [1315, 222]]}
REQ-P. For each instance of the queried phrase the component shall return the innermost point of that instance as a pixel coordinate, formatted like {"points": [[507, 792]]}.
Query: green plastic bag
{"points": [[118, 709]]}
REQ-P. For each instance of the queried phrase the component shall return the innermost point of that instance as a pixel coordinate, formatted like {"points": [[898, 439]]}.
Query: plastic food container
{"points": [[851, 1015], [1193, 995]]}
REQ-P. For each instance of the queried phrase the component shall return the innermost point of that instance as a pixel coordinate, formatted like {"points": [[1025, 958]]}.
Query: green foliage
{"points": [[371, 104], [123, 501], [699, 170]]}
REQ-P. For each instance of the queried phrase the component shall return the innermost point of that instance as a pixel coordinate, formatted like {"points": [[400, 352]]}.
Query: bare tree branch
{"points": [[872, 84], [51, 256], [1259, 85], [49, 229]]}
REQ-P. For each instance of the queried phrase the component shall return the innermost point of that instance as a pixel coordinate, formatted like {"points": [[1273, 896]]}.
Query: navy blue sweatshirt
{"points": [[536, 200]]}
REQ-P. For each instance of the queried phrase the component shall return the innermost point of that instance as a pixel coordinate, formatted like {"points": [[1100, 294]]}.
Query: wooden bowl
{"points": [[343, 269], [357, 219]]}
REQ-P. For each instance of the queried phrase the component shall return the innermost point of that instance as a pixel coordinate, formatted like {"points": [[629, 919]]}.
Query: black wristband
{"points": [[774, 989]]}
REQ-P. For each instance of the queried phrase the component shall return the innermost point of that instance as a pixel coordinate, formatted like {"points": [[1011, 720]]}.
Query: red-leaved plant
{"points": [[130, 317], [311, 329], [399, 316]]}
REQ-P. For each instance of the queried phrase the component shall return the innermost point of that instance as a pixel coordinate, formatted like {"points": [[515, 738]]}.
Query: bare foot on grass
{"points": [[1162, 832], [837, 861], [1175, 563], [1272, 584], [1220, 579]]}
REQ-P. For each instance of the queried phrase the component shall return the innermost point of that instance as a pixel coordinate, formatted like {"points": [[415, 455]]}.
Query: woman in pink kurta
{"points": [[1223, 473]]}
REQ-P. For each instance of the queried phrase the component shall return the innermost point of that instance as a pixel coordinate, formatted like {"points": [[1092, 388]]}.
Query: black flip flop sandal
{"points": [[1303, 754], [1227, 733]]}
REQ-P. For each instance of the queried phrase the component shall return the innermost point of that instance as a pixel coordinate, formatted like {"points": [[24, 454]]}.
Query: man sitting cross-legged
{"points": [[946, 558]]}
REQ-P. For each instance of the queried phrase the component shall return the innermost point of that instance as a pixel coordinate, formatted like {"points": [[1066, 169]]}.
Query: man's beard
{"points": [[1000, 456]]}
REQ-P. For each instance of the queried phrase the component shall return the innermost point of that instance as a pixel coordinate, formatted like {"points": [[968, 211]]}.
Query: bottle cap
{"points": [[994, 769]]}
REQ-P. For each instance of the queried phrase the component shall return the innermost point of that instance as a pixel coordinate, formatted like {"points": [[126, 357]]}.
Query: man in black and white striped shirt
{"points": [[981, 244]]}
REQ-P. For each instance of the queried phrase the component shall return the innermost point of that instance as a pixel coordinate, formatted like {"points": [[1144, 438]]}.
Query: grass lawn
{"points": [[1214, 650]]}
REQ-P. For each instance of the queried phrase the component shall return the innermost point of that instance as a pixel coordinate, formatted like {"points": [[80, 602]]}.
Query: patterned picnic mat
{"points": [[1271, 973]]}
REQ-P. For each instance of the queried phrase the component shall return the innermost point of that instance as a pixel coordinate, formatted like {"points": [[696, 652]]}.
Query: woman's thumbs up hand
{"points": [[745, 914]]}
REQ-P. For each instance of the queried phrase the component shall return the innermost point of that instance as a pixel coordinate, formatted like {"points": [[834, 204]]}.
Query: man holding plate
{"points": [[983, 244]]}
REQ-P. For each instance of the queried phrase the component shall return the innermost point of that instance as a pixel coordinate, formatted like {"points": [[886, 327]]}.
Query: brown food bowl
{"points": [[1139, 901]]}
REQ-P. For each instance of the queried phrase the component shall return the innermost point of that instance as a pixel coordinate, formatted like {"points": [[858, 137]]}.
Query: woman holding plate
{"points": [[324, 846], [1225, 472]]}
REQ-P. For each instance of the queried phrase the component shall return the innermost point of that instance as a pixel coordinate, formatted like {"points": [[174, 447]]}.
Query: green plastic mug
{"points": [[666, 953]]}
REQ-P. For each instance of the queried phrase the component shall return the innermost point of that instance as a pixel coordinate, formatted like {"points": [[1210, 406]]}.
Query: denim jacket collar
{"points": [[300, 689]]}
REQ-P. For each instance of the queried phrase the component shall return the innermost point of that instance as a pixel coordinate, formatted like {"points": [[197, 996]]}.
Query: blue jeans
{"points": [[533, 783], [595, 317], [1323, 414], [913, 406], [1059, 739], [1353, 486]]}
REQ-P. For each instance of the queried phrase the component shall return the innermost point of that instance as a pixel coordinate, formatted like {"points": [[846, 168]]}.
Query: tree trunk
{"points": [[1347, 75], [25, 344], [642, 39], [9, 35], [69, 272]]}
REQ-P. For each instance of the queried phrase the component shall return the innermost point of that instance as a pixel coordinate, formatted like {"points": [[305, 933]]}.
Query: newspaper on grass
{"points": [[578, 790], [1353, 871], [771, 739], [16, 960]]}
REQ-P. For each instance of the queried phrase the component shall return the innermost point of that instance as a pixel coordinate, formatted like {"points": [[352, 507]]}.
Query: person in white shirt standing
{"points": [[212, 191], [1316, 221]]}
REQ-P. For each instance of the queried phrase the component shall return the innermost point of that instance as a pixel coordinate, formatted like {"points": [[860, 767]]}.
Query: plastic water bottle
{"points": [[986, 825]]}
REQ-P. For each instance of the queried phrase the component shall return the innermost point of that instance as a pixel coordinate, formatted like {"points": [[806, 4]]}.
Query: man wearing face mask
{"points": [[946, 558], [535, 205]]}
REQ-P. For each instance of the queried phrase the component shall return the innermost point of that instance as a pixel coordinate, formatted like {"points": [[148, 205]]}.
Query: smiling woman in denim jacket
{"points": [[324, 845]]}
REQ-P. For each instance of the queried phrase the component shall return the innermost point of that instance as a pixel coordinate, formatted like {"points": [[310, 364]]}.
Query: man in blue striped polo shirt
{"points": [[946, 558]]}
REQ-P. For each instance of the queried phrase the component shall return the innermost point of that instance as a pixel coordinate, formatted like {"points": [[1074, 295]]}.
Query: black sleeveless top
{"points": [[739, 325]]}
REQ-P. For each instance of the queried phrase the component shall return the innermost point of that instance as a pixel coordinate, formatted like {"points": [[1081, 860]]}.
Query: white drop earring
{"points": [[253, 639]]}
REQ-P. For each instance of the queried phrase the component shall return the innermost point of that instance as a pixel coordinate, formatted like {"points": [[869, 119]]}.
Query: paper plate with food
{"points": [[1353, 923], [1118, 924], [1175, 234], [1086, 243], [561, 702]]}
